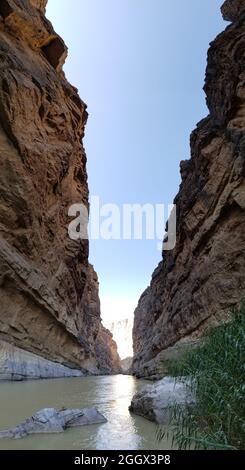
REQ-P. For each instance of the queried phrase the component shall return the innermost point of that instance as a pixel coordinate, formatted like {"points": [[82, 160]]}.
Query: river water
{"points": [[110, 394]]}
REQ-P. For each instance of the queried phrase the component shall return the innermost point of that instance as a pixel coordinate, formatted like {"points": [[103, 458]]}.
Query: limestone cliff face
{"points": [[49, 293], [197, 283]]}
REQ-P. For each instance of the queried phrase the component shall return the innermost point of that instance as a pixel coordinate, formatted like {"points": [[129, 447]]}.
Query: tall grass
{"points": [[216, 369]]}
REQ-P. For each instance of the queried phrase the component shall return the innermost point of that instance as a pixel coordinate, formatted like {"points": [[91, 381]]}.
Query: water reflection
{"points": [[110, 394], [124, 434]]}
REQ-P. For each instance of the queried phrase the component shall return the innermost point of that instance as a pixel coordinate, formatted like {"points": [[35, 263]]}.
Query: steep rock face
{"points": [[122, 332], [232, 9], [17, 364], [198, 282], [48, 291], [93, 332], [126, 365], [40, 4]]}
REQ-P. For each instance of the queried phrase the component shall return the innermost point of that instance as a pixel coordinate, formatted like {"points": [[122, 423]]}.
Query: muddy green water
{"points": [[111, 395]]}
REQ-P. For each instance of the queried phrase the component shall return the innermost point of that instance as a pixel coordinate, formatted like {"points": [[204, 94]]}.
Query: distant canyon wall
{"points": [[203, 278], [49, 292], [122, 333]]}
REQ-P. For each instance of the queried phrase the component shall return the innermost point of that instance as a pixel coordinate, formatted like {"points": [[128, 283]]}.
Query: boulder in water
{"points": [[50, 420], [156, 401]]}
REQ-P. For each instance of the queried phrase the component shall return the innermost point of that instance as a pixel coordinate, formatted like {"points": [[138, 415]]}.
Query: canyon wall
{"points": [[50, 307], [197, 284], [122, 332]]}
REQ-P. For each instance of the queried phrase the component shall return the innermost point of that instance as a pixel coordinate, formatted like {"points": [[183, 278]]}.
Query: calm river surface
{"points": [[110, 394]]}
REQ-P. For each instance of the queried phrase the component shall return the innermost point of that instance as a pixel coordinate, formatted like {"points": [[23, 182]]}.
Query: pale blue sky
{"points": [[139, 65]]}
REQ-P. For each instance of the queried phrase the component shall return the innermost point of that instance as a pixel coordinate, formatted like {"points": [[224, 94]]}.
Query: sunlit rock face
{"points": [[49, 292], [40, 4], [122, 334], [197, 283]]}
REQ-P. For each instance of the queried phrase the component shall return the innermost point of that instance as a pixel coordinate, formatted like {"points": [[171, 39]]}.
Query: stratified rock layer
{"points": [[49, 293], [18, 364], [198, 282]]}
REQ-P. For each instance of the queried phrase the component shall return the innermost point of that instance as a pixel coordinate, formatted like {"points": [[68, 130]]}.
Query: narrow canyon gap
{"points": [[50, 323]]}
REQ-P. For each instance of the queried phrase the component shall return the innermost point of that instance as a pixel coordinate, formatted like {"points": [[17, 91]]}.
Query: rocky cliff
{"points": [[49, 292], [122, 332], [197, 283]]}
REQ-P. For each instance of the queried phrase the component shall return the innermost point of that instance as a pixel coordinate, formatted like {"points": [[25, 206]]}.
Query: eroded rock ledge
{"points": [[18, 364], [49, 292], [197, 283]]}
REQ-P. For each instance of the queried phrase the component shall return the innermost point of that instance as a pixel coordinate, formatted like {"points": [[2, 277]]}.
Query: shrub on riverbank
{"points": [[216, 369]]}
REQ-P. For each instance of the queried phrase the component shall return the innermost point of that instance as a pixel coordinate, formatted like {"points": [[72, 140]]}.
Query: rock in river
{"points": [[155, 401], [50, 420]]}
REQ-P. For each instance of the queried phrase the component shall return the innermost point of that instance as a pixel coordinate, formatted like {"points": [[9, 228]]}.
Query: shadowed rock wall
{"points": [[48, 291], [197, 283]]}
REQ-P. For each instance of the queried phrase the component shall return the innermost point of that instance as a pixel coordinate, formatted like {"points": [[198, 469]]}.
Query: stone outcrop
{"points": [[50, 420], [232, 10], [156, 402], [18, 364], [126, 365], [197, 284], [49, 292], [40, 4]]}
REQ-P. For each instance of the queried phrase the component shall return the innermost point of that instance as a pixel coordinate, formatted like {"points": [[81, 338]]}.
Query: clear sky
{"points": [[139, 65]]}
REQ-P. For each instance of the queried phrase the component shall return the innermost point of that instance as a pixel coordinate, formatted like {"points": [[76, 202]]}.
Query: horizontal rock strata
{"points": [[17, 364]]}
